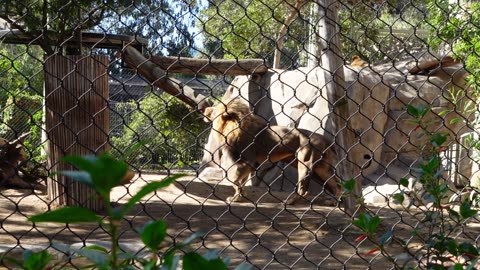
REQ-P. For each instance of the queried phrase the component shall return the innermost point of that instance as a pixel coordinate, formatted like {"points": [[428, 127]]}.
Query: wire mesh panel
{"points": [[304, 134]]}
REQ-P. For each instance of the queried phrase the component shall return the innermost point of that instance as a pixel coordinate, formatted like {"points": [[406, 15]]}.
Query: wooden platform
{"points": [[90, 40]]}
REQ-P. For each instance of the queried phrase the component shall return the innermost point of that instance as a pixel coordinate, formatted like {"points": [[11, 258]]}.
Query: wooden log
{"points": [[11, 156], [332, 62], [157, 76], [77, 121], [194, 66]]}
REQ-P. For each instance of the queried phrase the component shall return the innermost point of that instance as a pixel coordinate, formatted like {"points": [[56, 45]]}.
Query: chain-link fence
{"points": [[375, 101]]}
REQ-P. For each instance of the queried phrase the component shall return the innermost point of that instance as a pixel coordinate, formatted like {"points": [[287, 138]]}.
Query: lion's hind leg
{"points": [[303, 183], [238, 174]]}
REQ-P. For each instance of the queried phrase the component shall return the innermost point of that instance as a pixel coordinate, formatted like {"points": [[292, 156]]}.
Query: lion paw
{"points": [[295, 198], [234, 198]]}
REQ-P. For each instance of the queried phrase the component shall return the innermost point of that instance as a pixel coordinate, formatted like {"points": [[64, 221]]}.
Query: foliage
{"points": [[54, 22], [439, 220], [456, 26], [248, 28], [170, 133], [165, 23], [102, 174], [21, 70], [455, 30], [21, 95], [368, 29]]}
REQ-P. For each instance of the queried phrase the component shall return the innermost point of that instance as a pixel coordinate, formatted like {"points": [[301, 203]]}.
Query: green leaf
{"points": [[367, 223], [423, 110], [147, 189], [170, 261], [457, 266], [404, 182], [451, 246], [465, 247], [438, 139], [153, 233], [412, 111], [398, 197], [373, 224], [444, 112], [194, 261], [105, 171], [361, 221], [466, 210], [72, 214], [97, 248], [455, 120], [431, 166], [98, 257], [190, 239], [36, 260], [454, 214], [84, 163], [211, 254], [349, 185], [17, 262], [79, 176]]}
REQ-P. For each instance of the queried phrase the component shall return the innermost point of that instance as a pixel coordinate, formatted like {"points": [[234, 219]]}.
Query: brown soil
{"points": [[262, 230]]}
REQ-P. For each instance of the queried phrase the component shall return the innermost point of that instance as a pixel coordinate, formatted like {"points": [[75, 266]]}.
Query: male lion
{"points": [[248, 141]]}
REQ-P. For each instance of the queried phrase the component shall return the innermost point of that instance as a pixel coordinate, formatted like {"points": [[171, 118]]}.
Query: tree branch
{"points": [[294, 11]]}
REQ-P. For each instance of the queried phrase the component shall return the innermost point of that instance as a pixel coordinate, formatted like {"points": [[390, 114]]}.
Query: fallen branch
{"points": [[157, 76]]}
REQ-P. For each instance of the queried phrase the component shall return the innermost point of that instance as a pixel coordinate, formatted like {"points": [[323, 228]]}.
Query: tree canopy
{"points": [[54, 22], [249, 28]]}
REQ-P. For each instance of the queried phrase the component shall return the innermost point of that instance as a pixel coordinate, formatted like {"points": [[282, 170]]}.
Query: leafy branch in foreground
{"points": [[439, 220], [102, 174]]}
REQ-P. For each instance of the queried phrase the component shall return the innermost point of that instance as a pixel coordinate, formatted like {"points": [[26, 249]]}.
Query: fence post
{"points": [[332, 63], [77, 121]]}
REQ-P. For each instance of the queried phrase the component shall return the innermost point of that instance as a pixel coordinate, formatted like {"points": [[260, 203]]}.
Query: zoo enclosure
{"points": [[398, 68]]}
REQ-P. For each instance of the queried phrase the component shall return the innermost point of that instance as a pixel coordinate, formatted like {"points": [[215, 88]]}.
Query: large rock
{"points": [[377, 99]]}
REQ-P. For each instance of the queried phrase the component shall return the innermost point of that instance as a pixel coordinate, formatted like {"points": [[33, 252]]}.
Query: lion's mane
{"points": [[235, 122]]}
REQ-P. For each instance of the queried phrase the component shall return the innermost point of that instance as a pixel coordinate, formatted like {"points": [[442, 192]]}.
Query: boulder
{"points": [[377, 98]]}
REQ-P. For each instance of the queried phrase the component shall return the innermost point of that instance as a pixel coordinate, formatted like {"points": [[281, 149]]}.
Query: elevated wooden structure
{"points": [[86, 39]]}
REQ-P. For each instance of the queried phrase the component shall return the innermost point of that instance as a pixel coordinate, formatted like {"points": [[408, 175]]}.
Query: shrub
{"points": [[439, 219], [171, 133]]}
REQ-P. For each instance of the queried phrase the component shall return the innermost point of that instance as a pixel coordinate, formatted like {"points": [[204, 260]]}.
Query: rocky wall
{"points": [[377, 99]]}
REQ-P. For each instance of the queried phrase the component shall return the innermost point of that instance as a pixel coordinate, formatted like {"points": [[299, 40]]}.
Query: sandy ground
{"points": [[262, 230]]}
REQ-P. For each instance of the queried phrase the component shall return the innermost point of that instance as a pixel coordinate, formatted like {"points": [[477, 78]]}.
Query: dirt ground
{"points": [[262, 230]]}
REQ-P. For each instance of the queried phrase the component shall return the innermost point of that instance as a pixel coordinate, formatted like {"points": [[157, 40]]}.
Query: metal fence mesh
{"points": [[390, 86]]}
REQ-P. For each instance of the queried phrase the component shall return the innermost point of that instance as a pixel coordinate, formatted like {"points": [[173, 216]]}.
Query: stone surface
{"points": [[377, 98]]}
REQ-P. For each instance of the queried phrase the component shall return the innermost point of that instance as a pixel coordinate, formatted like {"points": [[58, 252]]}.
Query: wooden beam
{"points": [[157, 76], [210, 66], [88, 39]]}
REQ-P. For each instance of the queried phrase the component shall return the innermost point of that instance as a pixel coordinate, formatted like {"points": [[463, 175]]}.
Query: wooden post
{"points": [[333, 63], [77, 121]]}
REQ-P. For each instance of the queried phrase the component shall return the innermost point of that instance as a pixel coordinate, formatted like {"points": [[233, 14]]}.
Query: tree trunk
{"points": [[333, 63], [77, 121]]}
